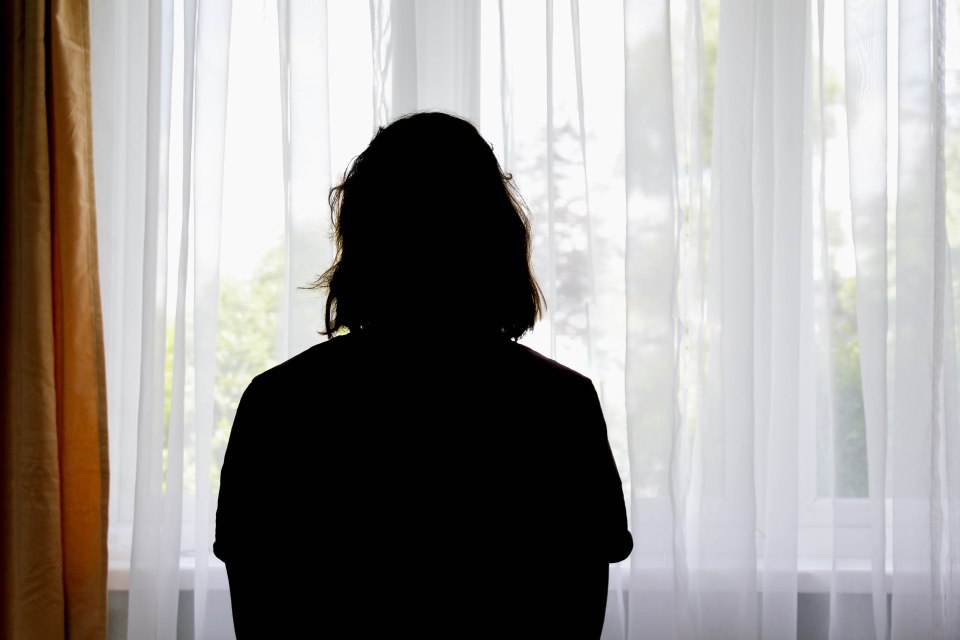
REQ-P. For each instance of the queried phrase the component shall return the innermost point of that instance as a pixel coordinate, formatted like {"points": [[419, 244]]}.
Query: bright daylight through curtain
{"points": [[746, 220]]}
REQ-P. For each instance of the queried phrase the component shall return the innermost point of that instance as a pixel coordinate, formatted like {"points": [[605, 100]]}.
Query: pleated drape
{"points": [[53, 439]]}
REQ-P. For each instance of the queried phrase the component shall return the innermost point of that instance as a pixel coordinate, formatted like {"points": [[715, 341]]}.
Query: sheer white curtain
{"points": [[745, 219], [161, 85], [160, 80]]}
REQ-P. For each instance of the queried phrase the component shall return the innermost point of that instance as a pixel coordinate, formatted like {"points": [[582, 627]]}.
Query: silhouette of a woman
{"points": [[421, 474]]}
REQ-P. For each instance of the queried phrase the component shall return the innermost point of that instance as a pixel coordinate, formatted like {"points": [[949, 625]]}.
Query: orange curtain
{"points": [[53, 439]]}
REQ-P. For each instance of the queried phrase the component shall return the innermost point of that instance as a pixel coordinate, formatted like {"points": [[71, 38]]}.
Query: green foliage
{"points": [[247, 327], [850, 433], [710, 23]]}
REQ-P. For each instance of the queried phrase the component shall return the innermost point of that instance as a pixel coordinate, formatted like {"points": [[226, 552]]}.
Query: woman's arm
{"points": [[239, 542], [250, 610], [607, 489]]}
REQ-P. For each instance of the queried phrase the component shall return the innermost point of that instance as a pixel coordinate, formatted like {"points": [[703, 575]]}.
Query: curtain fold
{"points": [[212, 72], [154, 566], [785, 99], [161, 88], [917, 604], [426, 56], [726, 550], [650, 256], [865, 49], [307, 178], [184, 197], [54, 436]]}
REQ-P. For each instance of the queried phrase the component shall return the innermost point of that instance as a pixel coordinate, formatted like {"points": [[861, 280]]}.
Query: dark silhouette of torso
{"points": [[411, 487]]}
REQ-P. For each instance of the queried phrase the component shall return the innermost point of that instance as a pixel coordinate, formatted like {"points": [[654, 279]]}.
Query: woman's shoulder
{"points": [[324, 356], [540, 363], [353, 355], [541, 373]]}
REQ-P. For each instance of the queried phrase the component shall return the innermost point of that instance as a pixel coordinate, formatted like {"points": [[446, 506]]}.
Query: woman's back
{"points": [[382, 484], [374, 484]]}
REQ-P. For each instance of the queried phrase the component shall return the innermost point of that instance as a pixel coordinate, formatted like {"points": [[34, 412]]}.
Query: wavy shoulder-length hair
{"points": [[430, 235]]}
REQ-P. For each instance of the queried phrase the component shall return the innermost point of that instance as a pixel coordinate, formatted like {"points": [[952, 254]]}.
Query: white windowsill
{"points": [[812, 577], [118, 574]]}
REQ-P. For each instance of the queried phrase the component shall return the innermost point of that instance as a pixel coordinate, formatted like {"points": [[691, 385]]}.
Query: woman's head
{"points": [[430, 235]]}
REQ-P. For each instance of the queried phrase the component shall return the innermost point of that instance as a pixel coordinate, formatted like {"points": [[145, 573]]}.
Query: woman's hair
{"points": [[430, 234]]}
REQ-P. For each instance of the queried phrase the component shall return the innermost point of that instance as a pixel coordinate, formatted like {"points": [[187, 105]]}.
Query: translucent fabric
{"points": [[744, 224]]}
